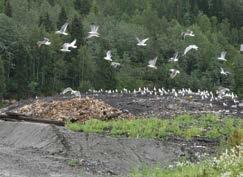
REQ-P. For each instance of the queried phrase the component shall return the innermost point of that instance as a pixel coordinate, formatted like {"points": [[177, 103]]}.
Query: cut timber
{"points": [[12, 116]]}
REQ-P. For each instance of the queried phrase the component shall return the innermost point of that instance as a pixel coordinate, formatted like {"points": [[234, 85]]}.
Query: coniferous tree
{"points": [[8, 9], [62, 18], [82, 6], [46, 23], [76, 30], [2, 79]]}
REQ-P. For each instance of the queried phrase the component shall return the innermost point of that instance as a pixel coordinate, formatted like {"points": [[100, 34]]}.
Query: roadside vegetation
{"points": [[184, 126], [229, 164]]}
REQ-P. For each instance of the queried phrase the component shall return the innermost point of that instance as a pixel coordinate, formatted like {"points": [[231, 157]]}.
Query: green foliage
{"points": [[217, 25], [228, 164], [188, 127], [73, 163], [2, 79]]}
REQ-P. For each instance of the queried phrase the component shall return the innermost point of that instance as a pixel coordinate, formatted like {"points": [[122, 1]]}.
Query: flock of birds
{"points": [[140, 42], [223, 98]]}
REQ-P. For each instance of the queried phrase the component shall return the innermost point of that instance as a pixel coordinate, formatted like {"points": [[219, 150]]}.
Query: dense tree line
{"points": [[26, 70]]}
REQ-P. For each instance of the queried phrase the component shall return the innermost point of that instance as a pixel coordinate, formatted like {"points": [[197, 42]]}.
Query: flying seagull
{"points": [[108, 56], [223, 72], [63, 30], [94, 31], [187, 33], [46, 41], [142, 42], [190, 47], [222, 56], [152, 63], [73, 44], [115, 64], [66, 46], [174, 58], [173, 73]]}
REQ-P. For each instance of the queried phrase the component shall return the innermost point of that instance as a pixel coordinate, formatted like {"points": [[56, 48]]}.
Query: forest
{"points": [[27, 70]]}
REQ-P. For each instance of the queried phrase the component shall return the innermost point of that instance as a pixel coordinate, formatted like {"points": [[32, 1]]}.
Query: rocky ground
{"points": [[33, 149]]}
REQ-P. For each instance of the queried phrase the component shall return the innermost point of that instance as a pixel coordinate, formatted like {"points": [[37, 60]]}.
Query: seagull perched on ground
{"points": [[46, 41], [63, 30], [190, 47], [66, 46], [173, 73], [174, 58], [187, 33], [222, 56], [108, 56], [152, 63], [142, 42], [223, 72], [71, 91], [94, 31], [115, 64]]}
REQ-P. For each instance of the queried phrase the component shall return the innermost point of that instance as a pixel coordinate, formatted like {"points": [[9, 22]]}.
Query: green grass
{"points": [[185, 126], [72, 163], [230, 162]]}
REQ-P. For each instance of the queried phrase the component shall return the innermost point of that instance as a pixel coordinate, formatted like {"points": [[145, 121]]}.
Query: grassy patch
{"points": [[73, 163], [229, 164], [208, 126]]}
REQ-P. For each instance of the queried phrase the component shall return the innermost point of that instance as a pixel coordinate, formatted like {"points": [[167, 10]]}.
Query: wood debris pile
{"points": [[78, 109]]}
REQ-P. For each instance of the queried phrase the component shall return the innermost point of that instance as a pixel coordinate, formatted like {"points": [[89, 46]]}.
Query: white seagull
{"points": [[94, 31], [73, 44], [66, 46], [173, 73], [63, 30], [115, 64], [223, 72], [152, 63], [222, 56], [142, 42], [174, 58], [46, 41], [108, 56], [190, 47], [188, 33]]}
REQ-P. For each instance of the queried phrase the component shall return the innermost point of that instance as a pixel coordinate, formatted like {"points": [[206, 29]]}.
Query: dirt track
{"points": [[40, 150]]}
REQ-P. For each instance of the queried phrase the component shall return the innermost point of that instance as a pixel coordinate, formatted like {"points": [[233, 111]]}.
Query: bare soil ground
{"points": [[42, 150]]}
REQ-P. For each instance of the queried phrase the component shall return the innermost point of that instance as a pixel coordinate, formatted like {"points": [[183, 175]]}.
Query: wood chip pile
{"points": [[80, 109]]}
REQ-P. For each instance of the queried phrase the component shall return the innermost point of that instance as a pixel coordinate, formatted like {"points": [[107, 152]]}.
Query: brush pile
{"points": [[76, 109]]}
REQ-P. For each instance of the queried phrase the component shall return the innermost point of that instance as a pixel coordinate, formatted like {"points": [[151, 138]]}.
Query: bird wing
{"points": [[153, 62], [74, 42], [66, 46], [176, 55], [144, 40], [96, 28], [194, 47], [223, 54], [46, 39], [138, 40], [64, 27], [187, 49], [108, 53]]}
